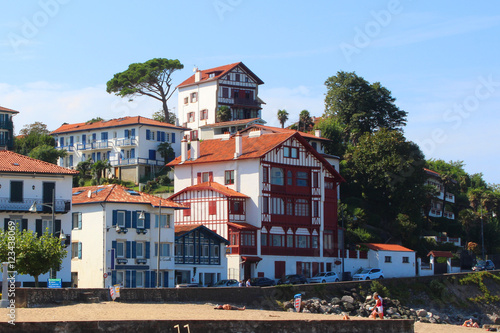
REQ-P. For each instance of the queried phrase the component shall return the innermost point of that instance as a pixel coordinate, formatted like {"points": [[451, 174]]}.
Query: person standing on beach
{"points": [[379, 306]]}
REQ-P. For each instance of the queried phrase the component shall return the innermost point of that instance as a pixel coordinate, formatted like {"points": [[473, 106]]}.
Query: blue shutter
{"points": [[152, 154], [165, 279], [94, 137], [113, 245], [128, 283], [98, 156], [134, 249], [156, 221], [158, 136], [84, 139], [173, 137], [148, 250], [113, 277], [104, 136], [153, 279], [61, 142], [79, 250], [93, 157], [162, 136], [128, 222], [148, 134], [132, 133], [147, 283], [132, 153], [134, 219], [70, 160], [79, 220], [115, 218], [134, 281], [147, 221], [129, 247], [71, 140], [126, 135], [38, 227]]}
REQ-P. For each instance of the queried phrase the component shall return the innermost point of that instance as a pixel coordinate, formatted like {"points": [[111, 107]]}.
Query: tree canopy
{"points": [[152, 78], [47, 153], [224, 113], [361, 107], [282, 117]]}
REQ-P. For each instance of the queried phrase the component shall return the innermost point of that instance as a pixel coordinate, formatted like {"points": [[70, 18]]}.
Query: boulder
{"points": [[421, 313]]}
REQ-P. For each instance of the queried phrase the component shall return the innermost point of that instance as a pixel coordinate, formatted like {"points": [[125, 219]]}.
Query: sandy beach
{"points": [[151, 311]]}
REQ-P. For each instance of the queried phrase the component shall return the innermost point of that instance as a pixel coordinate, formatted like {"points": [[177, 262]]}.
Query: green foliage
{"points": [[32, 136], [383, 291], [166, 151], [305, 121], [98, 169], [478, 279], [332, 129], [224, 114], [151, 78], [94, 120], [34, 255], [282, 117], [47, 153], [160, 116]]}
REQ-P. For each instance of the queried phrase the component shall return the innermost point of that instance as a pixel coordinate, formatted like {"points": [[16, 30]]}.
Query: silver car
{"points": [[324, 277], [369, 274]]}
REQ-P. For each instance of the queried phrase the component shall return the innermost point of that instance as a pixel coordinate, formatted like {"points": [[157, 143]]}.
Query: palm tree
{"points": [[305, 120], [98, 169], [282, 117]]}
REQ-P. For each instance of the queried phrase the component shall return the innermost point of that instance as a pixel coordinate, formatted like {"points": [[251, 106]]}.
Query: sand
{"points": [[151, 311]]}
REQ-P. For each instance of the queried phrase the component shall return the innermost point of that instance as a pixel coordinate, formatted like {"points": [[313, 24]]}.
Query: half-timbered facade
{"points": [[275, 201], [201, 95]]}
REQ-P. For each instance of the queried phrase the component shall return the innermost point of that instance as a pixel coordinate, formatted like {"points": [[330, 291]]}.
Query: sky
{"points": [[440, 60]]}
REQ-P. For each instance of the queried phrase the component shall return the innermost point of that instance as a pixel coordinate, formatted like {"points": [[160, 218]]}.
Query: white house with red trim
{"points": [[129, 144], [115, 238], [271, 195], [394, 260], [201, 95], [25, 182]]}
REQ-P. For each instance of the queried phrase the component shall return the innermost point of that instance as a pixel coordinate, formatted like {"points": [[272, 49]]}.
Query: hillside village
{"points": [[248, 200]]}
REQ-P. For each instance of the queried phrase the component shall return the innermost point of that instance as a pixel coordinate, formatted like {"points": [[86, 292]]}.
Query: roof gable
{"points": [[17, 163], [184, 230], [213, 186], [219, 72], [117, 122], [8, 110]]}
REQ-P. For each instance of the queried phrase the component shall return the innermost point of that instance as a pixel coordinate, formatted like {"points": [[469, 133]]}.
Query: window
{"points": [[277, 240], [165, 220], [301, 178], [16, 190], [315, 179], [328, 241], [263, 239], [77, 220], [120, 249], [204, 114], [229, 177], [315, 208], [406, 260], [236, 93], [236, 207], [225, 92], [277, 176], [315, 242], [301, 207], [194, 96], [291, 152], [120, 218], [164, 249], [190, 117], [76, 250], [205, 177], [265, 174], [289, 240], [388, 259], [140, 222], [186, 100], [265, 205], [48, 225], [212, 207], [237, 77], [139, 250], [139, 279], [302, 241], [247, 238], [119, 278]]}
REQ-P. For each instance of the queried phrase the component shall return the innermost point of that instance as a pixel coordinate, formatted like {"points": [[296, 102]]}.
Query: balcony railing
{"points": [[8, 125], [134, 161], [61, 205], [105, 144], [245, 102], [125, 142]]}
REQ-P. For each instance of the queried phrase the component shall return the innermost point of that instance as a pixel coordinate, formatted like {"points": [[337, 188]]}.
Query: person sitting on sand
{"points": [[228, 307]]}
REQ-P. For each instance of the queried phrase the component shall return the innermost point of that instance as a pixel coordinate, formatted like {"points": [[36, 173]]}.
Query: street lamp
{"points": [[33, 209], [159, 248]]}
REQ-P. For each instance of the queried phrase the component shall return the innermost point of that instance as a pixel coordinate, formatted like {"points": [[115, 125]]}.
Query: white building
{"points": [[441, 205], [130, 144], [394, 260], [201, 95], [271, 195], [7, 128], [25, 181], [115, 238]]}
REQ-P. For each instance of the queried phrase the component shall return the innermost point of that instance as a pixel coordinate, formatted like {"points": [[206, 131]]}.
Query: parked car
{"points": [[369, 274], [483, 265], [324, 277], [226, 283], [293, 279], [261, 282]]}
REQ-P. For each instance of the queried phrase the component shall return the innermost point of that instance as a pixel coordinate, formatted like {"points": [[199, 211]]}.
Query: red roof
{"points": [[125, 121], [8, 110], [226, 191], [283, 130], [118, 193], [220, 150], [445, 254], [219, 72], [387, 247], [13, 162], [242, 226]]}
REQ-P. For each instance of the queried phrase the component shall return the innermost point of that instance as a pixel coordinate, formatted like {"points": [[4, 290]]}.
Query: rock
{"points": [[424, 320], [421, 313], [348, 299], [324, 309], [288, 305], [335, 301]]}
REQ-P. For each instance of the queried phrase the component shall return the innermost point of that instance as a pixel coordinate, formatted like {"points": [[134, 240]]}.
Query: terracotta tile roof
{"points": [[445, 254], [242, 226], [387, 247], [283, 130], [125, 121], [181, 230], [118, 193], [8, 110], [219, 150], [234, 122], [226, 191], [434, 173], [219, 72], [13, 162]]}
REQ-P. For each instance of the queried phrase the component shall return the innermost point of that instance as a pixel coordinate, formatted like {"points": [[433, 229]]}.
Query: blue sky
{"points": [[439, 59]]}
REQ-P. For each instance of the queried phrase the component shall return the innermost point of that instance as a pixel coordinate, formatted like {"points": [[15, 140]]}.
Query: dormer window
{"points": [[211, 75]]}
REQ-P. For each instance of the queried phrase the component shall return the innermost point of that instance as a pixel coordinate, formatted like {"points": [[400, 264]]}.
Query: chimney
{"points": [[195, 149], [317, 133], [197, 75], [184, 147], [238, 145]]}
